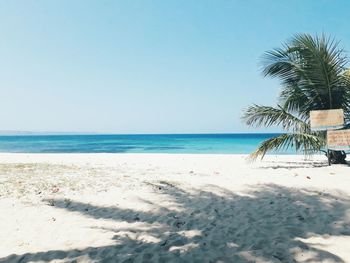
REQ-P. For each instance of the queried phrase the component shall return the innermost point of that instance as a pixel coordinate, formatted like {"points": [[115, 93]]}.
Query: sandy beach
{"points": [[172, 208]]}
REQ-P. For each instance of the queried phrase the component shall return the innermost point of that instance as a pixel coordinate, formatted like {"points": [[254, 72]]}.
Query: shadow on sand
{"points": [[265, 225], [268, 164]]}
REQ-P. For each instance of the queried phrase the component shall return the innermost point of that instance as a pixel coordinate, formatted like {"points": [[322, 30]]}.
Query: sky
{"points": [[175, 66]]}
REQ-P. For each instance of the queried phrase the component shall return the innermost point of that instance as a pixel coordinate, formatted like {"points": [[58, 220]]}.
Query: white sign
{"points": [[326, 119], [338, 140]]}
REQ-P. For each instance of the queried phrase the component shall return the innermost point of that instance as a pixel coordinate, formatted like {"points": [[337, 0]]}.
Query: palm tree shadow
{"points": [[271, 164], [215, 225], [295, 164]]}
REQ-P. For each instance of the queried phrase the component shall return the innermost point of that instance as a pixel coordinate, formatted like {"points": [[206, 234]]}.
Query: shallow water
{"points": [[160, 143]]}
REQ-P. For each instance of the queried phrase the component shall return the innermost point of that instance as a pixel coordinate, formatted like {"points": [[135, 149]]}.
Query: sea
{"points": [[137, 143]]}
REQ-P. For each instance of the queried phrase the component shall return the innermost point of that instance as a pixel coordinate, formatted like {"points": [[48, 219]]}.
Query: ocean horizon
{"points": [[226, 143]]}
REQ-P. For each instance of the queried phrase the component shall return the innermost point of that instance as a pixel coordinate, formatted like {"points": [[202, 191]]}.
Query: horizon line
{"points": [[28, 133]]}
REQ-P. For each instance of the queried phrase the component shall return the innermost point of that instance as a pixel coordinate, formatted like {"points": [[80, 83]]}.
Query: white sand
{"points": [[172, 208]]}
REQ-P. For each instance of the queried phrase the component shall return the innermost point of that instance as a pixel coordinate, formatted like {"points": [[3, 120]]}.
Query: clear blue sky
{"points": [[146, 66]]}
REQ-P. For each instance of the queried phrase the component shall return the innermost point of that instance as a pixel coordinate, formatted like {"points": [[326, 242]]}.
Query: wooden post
{"points": [[329, 158], [328, 152]]}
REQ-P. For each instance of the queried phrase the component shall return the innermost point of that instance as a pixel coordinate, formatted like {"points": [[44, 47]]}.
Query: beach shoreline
{"points": [[165, 207]]}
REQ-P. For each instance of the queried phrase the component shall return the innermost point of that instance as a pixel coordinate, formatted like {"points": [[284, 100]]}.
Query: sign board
{"points": [[338, 140], [326, 119]]}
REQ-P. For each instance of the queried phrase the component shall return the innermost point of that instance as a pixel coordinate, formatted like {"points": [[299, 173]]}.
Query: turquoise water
{"points": [[169, 143]]}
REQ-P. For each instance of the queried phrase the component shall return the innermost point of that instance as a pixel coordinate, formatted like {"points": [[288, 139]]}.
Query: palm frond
{"points": [[302, 142], [322, 63], [257, 115], [315, 65], [294, 100]]}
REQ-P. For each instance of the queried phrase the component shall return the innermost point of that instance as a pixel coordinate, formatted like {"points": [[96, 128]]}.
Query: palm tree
{"points": [[313, 76]]}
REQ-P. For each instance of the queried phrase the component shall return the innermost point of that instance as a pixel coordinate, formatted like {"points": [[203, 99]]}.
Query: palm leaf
{"points": [[307, 143], [315, 65], [267, 116]]}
